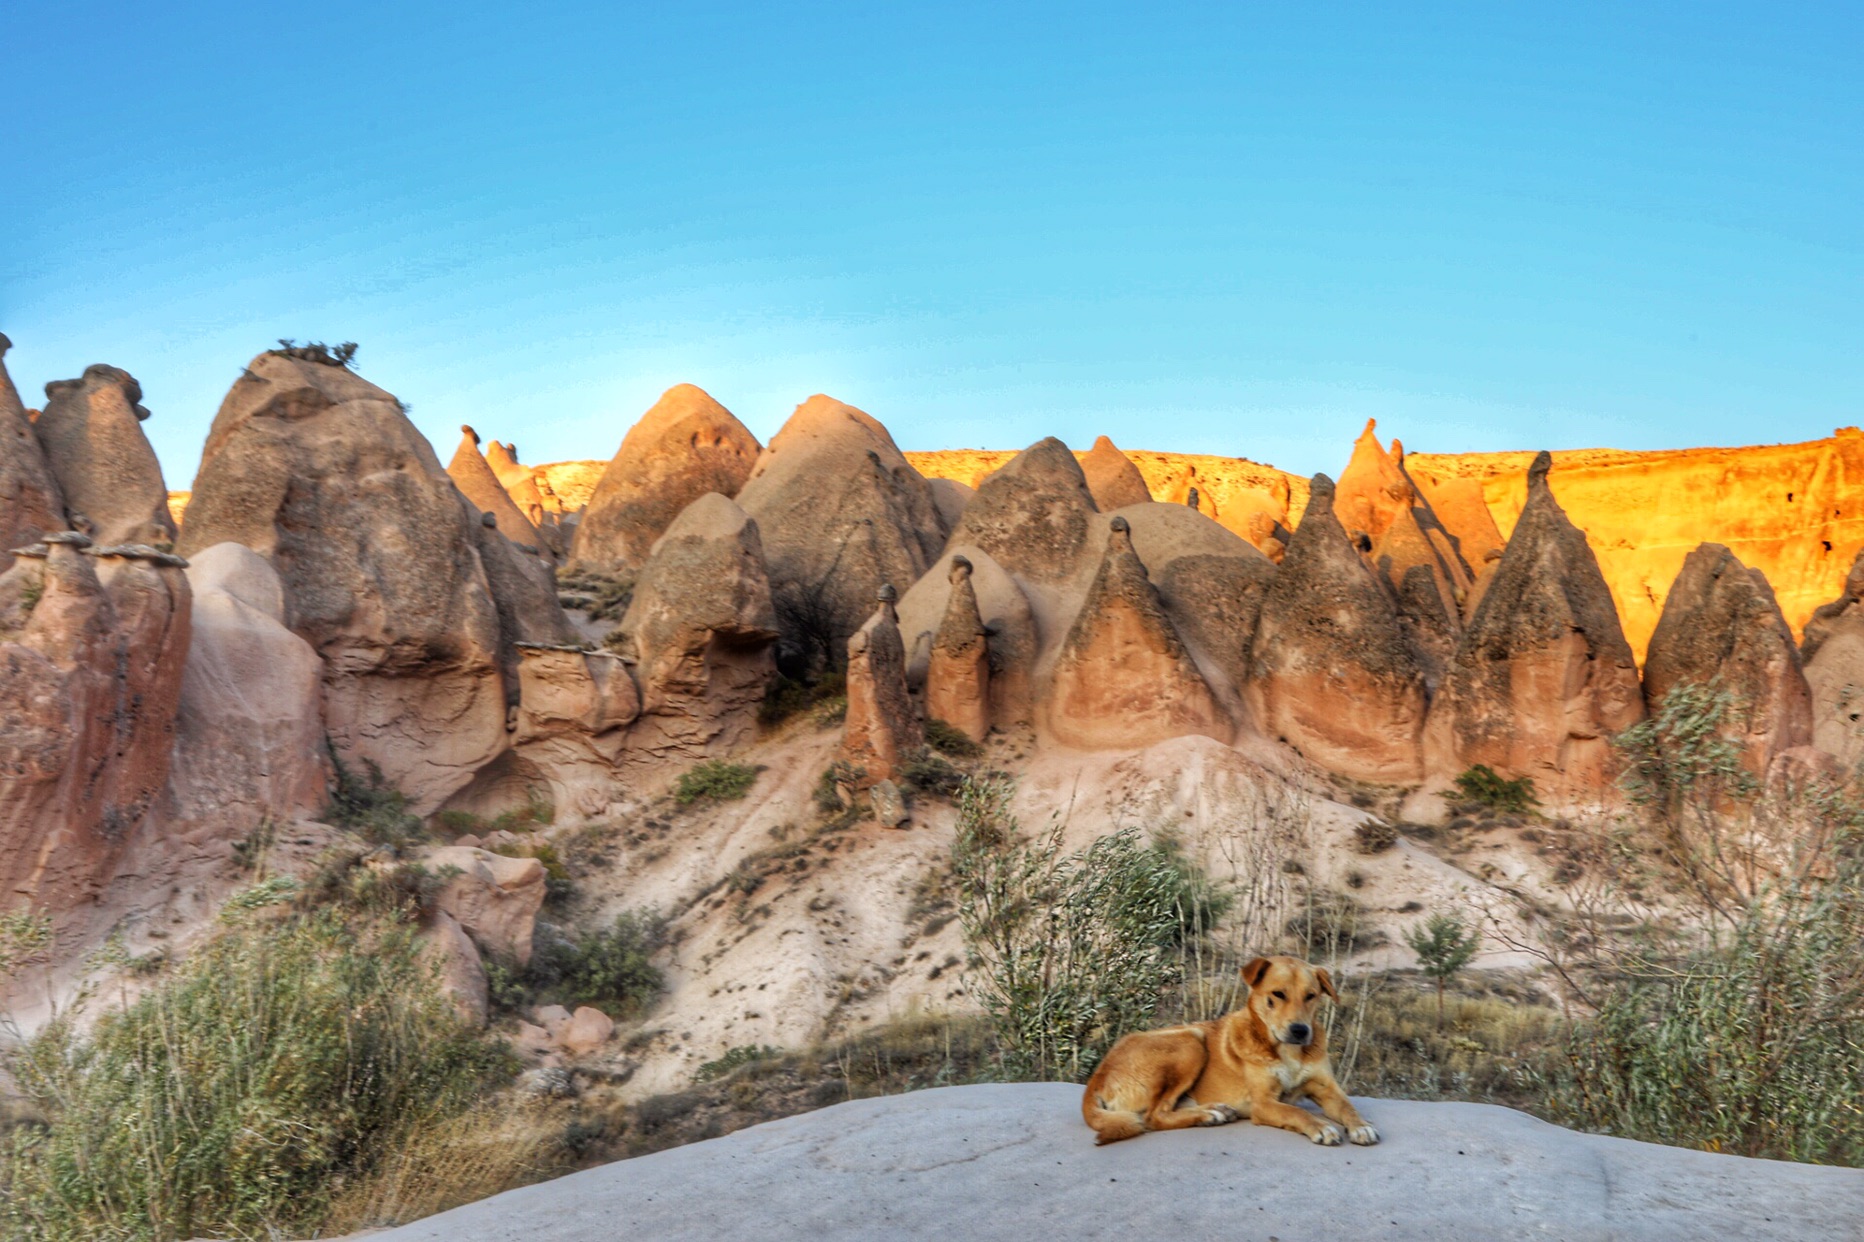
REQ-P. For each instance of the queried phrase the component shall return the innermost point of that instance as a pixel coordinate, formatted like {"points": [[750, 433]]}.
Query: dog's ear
{"points": [[1326, 982], [1252, 973]]}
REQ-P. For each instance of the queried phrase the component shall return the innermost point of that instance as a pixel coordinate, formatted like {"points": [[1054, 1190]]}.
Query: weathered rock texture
{"points": [[30, 502], [685, 446], [493, 898], [1011, 641], [1123, 678], [1542, 678], [950, 498], [320, 472], [481, 487], [957, 677], [1034, 516], [882, 727], [702, 627], [1112, 478], [1833, 652], [841, 513], [250, 731], [1721, 624], [1331, 671], [107, 472], [92, 650]]}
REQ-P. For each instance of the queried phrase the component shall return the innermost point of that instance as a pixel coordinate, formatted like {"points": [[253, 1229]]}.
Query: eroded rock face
{"points": [[30, 503], [1372, 491], [1542, 677], [702, 628], [1331, 671], [841, 513], [112, 485], [1034, 515], [493, 898], [1214, 602], [1721, 623], [958, 669], [1833, 654], [685, 446], [250, 730], [320, 472], [1011, 642], [1112, 478], [950, 498], [1123, 678], [882, 727], [481, 487], [92, 650]]}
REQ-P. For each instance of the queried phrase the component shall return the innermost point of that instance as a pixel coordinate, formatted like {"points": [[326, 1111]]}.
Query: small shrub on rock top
{"points": [[343, 355], [1484, 786], [716, 780]]}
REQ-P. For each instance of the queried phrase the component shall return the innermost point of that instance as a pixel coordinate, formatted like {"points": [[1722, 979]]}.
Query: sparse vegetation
{"points": [[343, 355], [1374, 836], [743, 1054], [1483, 786], [367, 805], [611, 969], [930, 773], [714, 780], [786, 697], [603, 597], [1444, 944], [950, 740]]}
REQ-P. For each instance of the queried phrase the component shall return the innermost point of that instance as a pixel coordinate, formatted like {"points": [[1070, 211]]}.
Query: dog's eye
{"points": [[1311, 995], [1278, 995]]}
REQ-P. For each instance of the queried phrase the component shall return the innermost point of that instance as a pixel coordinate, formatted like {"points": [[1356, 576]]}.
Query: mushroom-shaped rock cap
{"points": [[886, 594], [72, 538], [960, 569]]}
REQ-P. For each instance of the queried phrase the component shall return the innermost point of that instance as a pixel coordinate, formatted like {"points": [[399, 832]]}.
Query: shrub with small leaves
{"points": [[743, 1054], [369, 806], [1486, 787], [1374, 836], [716, 780], [951, 740], [931, 773], [1444, 945]]}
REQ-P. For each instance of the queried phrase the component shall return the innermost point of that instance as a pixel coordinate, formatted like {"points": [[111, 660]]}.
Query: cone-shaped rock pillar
{"points": [[1833, 652], [30, 503], [1113, 478], [882, 728], [106, 469], [1332, 672], [958, 671], [476, 481], [1542, 677]]}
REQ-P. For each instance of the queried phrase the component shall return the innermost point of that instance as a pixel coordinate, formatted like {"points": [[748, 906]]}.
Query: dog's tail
{"points": [[1110, 1125]]}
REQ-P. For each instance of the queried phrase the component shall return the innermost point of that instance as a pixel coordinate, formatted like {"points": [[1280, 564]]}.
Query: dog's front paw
{"points": [[1365, 1136], [1220, 1115], [1328, 1135]]}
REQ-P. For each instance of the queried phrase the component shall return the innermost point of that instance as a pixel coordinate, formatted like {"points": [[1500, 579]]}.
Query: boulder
{"points": [[685, 446], [1331, 672], [494, 898], [586, 1031], [461, 974], [957, 675], [1833, 655], [1009, 627], [882, 726], [249, 739], [701, 628], [112, 485], [321, 472], [92, 650], [30, 503], [1720, 623], [1123, 678], [1008, 1162], [486, 494], [1542, 677], [1112, 478], [889, 804], [841, 513]]}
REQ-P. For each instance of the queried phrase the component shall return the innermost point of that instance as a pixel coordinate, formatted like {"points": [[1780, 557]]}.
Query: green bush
{"points": [[1068, 951], [930, 773], [716, 780], [1483, 785], [1444, 945], [367, 805], [786, 697], [241, 1092], [611, 969], [951, 740], [743, 1054]]}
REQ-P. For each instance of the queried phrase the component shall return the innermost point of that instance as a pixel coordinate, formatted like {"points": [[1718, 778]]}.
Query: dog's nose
{"points": [[1299, 1032]]}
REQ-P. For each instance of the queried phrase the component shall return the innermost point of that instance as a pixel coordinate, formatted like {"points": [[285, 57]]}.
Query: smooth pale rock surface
{"points": [[1014, 1162]]}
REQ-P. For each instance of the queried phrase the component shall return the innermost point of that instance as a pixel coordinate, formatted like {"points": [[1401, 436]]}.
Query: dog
{"points": [[1251, 1063]]}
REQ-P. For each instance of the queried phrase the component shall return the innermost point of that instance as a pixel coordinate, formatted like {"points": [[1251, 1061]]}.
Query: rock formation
{"points": [[1034, 516], [1112, 478], [882, 727], [30, 503], [319, 471], [1009, 624], [481, 487], [1123, 678], [685, 446], [524, 592], [1458, 504], [1721, 624], [950, 497], [1331, 672], [1214, 602], [840, 512], [92, 650], [107, 472], [957, 675], [701, 627], [1833, 653], [1542, 677], [250, 732], [495, 899], [521, 484]]}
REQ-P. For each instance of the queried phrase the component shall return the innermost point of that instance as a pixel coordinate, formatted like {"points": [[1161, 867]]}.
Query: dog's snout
{"points": [[1300, 1032]]}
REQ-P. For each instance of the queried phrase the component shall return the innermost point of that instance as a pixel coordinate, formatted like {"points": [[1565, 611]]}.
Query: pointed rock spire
{"points": [[480, 485], [1542, 677], [1034, 514], [958, 671], [1112, 478], [882, 728], [1333, 674], [1123, 677]]}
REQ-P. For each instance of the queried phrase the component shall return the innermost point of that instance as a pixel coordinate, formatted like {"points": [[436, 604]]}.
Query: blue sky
{"points": [[1236, 229]]}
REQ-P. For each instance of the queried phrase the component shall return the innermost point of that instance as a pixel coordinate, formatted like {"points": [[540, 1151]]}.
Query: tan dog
{"points": [[1251, 1063]]}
